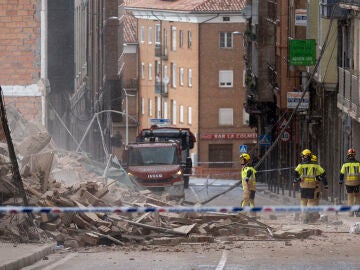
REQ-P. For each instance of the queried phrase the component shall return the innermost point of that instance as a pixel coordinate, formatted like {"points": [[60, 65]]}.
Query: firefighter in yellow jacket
{"points": [[308, 173], [321, 180], [350, 173], [248, 177]]}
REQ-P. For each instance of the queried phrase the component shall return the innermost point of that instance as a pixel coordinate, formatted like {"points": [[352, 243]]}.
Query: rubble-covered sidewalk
{"points": [[57, 178]]}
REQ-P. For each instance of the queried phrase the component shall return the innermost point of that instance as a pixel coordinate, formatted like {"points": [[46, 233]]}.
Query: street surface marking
{"points": [[222, 261], [195, 194]]}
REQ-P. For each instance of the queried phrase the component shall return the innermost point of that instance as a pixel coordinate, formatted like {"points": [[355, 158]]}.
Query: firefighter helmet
{"points": [[306, 153], [245, 157], [313, 158], [351, 152]]}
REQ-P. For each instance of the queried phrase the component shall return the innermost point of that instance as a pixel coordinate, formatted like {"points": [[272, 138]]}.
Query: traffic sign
{"points": [[243, 148], [283, 123], [264, 139], [285, 137]]}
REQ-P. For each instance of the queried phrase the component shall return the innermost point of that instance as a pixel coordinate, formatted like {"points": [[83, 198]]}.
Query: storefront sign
{"points": [[293, 99], [302, 52], [300, 17], [228, 136], [160, 122]]}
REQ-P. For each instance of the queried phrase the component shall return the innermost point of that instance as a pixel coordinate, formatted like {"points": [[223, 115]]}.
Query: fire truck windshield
{"points": [[153, 156]]}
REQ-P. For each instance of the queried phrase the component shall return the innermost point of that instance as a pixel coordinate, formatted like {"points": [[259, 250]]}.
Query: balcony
{"points": [[348, 99], [132, 83], [327, 6], [161, 51], [161, 88], [350, 4]]}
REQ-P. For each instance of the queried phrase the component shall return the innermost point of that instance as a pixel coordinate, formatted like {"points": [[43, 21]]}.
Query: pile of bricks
{"points": [[57, 178]]}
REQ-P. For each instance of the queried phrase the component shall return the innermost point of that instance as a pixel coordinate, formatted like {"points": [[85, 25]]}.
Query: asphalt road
{"points": [[221, 255]]}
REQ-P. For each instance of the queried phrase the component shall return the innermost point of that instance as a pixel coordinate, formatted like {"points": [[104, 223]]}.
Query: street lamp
{"points": [[127, 116]]}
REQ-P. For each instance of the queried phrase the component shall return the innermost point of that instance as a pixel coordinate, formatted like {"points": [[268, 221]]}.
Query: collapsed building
{"points": [[53, 177]]}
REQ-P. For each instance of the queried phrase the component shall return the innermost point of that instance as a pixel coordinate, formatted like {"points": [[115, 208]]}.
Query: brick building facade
{"points": [[20, 59], [201, 71]]}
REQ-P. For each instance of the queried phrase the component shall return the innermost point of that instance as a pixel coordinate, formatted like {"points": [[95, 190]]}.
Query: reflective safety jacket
{"points": [[248, 172], [350, 172], [322, 176], [308, 174]]}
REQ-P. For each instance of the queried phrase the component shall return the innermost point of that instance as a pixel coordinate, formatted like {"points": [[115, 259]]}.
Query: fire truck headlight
{"points": [[177, 174]]}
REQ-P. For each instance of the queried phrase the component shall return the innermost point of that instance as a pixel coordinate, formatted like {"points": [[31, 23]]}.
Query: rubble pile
{"points": [[57, 178]]}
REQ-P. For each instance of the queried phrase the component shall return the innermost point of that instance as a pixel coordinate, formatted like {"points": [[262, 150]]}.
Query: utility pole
{"points": [[15, 167]]}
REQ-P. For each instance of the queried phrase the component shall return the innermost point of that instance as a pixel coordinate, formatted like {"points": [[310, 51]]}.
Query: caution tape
{"points": [[178, 209]]}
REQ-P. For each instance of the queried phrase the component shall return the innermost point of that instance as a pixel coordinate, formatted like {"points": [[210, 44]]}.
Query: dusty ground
{"points": [[291, 239]]}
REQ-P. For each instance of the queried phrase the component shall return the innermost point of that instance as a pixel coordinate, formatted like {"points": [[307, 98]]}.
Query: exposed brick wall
{"points": [[28, 107], [20, 51]]}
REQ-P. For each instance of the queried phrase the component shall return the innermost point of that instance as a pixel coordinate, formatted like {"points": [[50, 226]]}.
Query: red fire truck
{"points": [[160, 159]]}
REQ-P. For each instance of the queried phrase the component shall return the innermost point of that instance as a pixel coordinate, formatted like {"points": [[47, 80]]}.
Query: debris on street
{"points": [[56, 178]]}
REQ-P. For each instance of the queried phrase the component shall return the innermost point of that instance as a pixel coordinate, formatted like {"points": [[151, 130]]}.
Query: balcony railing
{"points": [[349, 4], [161, 88], [132, 83], [348, 99], [330, 8], [161, 51]]}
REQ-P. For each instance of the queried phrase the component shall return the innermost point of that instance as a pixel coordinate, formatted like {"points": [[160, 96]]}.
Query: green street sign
{"points": [[302, 52]]}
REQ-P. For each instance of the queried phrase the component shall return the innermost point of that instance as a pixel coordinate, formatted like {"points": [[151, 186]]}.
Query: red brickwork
{"points": [[20, 50], [29, 107], [19, 41]]}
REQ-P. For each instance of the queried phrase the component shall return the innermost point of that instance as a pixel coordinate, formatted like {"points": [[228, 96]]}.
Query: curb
{"points": [[29, 259]]}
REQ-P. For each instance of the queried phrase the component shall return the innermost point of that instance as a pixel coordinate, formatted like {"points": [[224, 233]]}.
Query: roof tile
{"points": [[130, 34], [194, 6]]}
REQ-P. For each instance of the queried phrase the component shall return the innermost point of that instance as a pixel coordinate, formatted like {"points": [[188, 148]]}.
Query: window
{"points": [[189, 115], [173, 38], [190, 77], [142, 34], [165, 41], [157, 34], [173, 112], [243, 78], [157, 67], [165, 110], [173, 75], [226, 78], [142, 70], [189, 39], [181, 38], [166, 79], [150, 71], [158, 107], [181, 76], [226, 39], [150, 107], [150, 37], [246, 117], [142, 106], [181, 114], [226, 117]]}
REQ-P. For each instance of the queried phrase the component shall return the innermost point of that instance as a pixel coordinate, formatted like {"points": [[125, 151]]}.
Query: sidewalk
{"points": [[16, 256]]}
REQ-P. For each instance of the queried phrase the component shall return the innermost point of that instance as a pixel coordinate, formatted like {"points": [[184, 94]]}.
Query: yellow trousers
{"points": [[248, 196], [317, 194]]}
